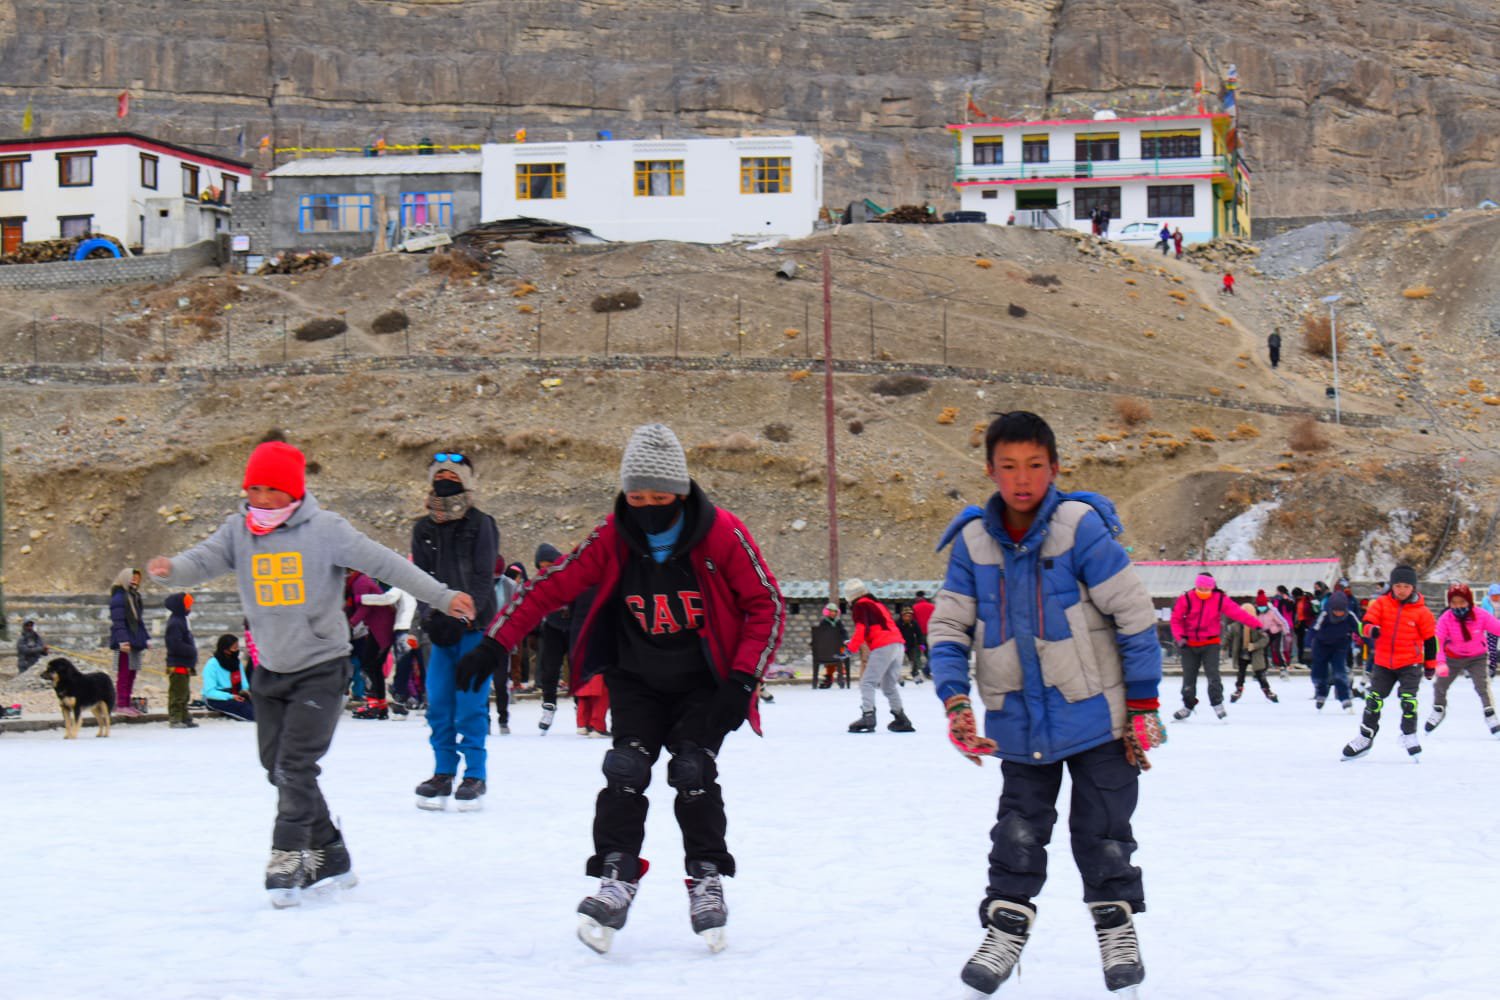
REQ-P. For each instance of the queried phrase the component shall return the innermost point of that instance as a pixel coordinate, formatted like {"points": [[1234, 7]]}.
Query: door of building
{"points": [[10, 234]]}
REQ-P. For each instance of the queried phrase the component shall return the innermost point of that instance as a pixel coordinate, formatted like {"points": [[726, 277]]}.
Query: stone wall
{"points": [[110, 270], [252, 217]]}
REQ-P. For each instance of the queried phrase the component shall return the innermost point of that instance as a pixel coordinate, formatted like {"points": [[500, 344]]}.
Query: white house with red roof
{"points": [[154, 195], [1184, 171]]}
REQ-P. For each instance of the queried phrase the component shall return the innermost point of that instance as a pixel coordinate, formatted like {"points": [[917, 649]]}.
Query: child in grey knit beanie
{"points": [[654, 460]]}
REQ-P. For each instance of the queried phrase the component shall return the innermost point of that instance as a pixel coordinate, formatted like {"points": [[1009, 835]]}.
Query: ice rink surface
{"points": [[1273, 869]]}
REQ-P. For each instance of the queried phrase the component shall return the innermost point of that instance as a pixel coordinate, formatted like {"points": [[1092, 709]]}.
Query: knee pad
{"points": [[1408, 705], [1374, 703], [627, 769], [691, 770]]}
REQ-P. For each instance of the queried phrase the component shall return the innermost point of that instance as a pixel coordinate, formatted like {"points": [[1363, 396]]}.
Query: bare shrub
{"points": [[320, 329], [1317, 336], [1132, 410], [1043, 280], [390, 321], [780, 433], [625, 298], [1203, 433], [736, 441], [1306, 435], [900, 385], [458, 264]]}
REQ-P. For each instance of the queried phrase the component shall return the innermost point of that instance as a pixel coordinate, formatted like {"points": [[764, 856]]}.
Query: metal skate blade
{"points": [[1127, 993], [329, 886], [715, 938], [468, 805], [283, 898], [435, 804], [594, 934]]}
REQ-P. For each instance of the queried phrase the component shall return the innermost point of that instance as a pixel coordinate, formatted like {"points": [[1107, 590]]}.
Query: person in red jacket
{"points": [[1196, 628], [694, 616], [922, 609], [874, 627], [1403, 640]]}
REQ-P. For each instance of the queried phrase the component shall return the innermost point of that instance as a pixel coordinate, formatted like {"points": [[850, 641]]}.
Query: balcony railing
{"points": [[1084, 169]]}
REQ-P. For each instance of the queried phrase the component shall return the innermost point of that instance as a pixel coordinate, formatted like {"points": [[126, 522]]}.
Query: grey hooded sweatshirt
{"points": [[291, 581]]}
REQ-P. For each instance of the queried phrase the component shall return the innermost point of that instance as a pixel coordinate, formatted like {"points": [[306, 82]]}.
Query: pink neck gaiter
{"points": [[263, 521]]}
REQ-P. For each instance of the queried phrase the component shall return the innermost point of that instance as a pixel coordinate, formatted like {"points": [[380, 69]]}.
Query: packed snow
{"points": [[1236, 539], [1272, 868]]}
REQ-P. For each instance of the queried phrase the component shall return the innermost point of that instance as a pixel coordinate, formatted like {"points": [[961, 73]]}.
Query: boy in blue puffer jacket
{"points": [[1068, 665]]}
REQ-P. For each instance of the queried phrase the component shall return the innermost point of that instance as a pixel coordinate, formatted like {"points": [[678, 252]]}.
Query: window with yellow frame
{"points": [[765, 175], [658, 178], [540, 180]]}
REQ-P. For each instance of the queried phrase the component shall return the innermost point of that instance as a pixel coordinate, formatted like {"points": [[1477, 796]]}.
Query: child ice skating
{"points": [[694, 617], [1461, 634], [876, 629], [1403, 639], [1197, 626], [1247, 650], [288, 556], [1068, 668], [1329, 640]]}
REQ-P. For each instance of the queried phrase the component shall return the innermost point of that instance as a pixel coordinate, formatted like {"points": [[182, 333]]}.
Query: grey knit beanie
{"points": [[654, 460]]}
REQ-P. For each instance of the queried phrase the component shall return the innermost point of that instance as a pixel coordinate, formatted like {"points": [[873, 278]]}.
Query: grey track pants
{"points": [[295, 715], [1477, 667], [883, 671]]}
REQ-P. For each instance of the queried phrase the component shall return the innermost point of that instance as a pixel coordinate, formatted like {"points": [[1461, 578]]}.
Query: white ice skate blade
{"points": [[435, 804], [329, 885], [715, 938], [468, 805], [282, 899], [594, 934], [1127, 992], [1348, 757]]}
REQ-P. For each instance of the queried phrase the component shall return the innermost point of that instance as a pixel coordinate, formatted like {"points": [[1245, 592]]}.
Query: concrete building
{"points": [[694, 190], [1182, 170], [356, 204], [143, 191]]}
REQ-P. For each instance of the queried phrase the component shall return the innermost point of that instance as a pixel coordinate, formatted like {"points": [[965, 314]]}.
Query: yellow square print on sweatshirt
{"points": [[278, 579]]}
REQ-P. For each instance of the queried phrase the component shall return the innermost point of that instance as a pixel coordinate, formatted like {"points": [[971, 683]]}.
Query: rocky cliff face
{"points": [[1346, 105]]}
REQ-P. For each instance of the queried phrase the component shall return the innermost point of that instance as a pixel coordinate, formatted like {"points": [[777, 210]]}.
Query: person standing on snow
{"points": [[1329, 640], [458, 544], [372, 617], [289, 557], [1247, 650], [1196, 627], [875, 628], [552, 642], [1461, 631], [128, 636], [182, 659], [1403, 636], [1028, 573], [828, 638], [695, 616]]}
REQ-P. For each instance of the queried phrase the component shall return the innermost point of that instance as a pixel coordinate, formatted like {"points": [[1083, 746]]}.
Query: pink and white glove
{"points": [[1442, 668]]}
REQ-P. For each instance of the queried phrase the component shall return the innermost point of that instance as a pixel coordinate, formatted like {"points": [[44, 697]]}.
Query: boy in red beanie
{"points": [[289, 557]]}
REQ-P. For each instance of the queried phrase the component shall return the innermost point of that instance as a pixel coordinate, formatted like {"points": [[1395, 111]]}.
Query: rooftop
{"points": [[370, 166]]}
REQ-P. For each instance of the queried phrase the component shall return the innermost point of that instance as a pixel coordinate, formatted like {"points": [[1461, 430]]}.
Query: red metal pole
{"points": [[832, 470]]}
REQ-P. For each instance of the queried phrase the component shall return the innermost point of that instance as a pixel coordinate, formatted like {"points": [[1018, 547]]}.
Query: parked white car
{"points": [[1139, 232]]}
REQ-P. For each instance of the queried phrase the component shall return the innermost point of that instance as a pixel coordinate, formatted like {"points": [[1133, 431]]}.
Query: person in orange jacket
{"points": [[1403, 638]]}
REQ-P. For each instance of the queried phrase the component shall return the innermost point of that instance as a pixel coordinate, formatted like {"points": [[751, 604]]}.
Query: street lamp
{"points": [[1333, 338]]}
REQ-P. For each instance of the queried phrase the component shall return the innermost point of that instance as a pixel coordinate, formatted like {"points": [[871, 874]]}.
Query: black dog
{"points": [[77, 691]]}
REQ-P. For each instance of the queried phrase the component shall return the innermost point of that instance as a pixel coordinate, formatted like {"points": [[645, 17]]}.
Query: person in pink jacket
{"points": [[1196, 628], [1461, 632]]}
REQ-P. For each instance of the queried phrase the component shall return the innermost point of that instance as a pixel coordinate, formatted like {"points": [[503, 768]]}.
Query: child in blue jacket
{"points": [[1068, 665]]}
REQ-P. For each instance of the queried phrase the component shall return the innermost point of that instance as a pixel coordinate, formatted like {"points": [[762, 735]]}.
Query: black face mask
{"points": [[447, 487], [1461, 612], [655, 520]]}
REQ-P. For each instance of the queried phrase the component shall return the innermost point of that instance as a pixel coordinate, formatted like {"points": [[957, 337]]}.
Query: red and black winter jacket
{"points": [[873, 625], [743, 610]]}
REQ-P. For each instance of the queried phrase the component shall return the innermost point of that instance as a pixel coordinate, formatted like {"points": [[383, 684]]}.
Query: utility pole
{"points": [[831, 463], [1333, 337], [4, 621]]}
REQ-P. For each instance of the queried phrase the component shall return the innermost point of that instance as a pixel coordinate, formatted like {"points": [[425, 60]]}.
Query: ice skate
{"points": [[1413, 746], [1183, 713], [603, 913], [1492, 721], [329, 867], [1347, 706], [864, 724], [549, 711], [1439, 712], [470, 795], [706, 907], [1318, 703], [1239, 693], [900, 723], [1007, 926], [1359, 746], [286, 875], [1270, 695], [1119, 949], [1220, 711], [373, 709], [433, 793]]}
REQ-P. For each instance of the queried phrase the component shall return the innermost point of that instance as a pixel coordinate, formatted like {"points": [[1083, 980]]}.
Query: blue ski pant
{"points": [[1330, 665], [459, 720]]}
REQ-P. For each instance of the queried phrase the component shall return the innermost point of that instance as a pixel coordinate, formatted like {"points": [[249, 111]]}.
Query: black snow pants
{"points": [[1206, 657], [295, 715], [1409, 680]]}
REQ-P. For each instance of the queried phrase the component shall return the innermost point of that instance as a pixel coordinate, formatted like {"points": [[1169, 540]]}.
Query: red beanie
{"points": [[278, 465], [1260, 599]]}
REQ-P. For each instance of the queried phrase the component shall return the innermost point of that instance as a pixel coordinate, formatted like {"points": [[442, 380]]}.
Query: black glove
{"points": [[479, 665], [731, 705], [1372, 632], [1429, 672]]}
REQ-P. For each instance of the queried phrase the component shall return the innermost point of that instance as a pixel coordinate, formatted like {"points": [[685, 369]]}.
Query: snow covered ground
{"points": [[1272, 869]]}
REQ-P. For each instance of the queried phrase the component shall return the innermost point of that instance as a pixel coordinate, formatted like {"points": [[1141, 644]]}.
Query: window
{"points": [[231, 188], [75, 169], [1088, 200], [336, 213], [989, 194], [1170, 201], [658, 178], [423, 208], [189, 181], [1035, 149], [1171, 145], [1036, 198], [765, 175], [75, 225], [989, 151], [541, 180], [1100, 146], [148, 171], [13, 173]]}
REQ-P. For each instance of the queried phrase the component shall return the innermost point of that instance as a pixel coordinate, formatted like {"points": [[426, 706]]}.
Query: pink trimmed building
{"points": [[1182, 170]]}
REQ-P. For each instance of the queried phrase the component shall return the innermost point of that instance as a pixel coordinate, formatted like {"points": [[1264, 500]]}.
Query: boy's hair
{"points": [[1019, 427]]}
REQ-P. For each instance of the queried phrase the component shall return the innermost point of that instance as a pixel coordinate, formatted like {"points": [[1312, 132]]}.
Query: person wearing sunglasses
{"points": [[457, 543]]}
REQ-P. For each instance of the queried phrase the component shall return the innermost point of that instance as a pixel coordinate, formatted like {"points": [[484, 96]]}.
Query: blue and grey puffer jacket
{"points": [[1063, 630]]}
